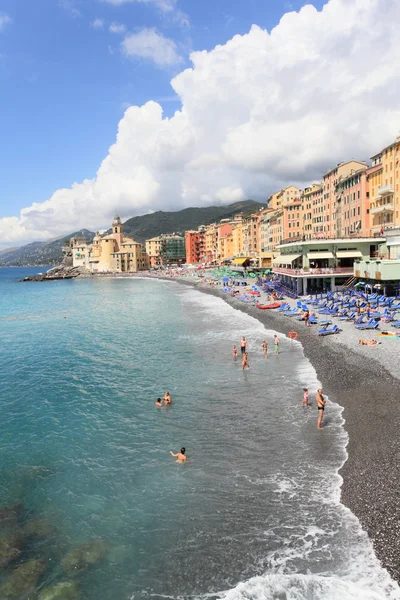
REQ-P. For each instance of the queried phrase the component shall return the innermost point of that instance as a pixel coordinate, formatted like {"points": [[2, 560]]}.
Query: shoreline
{"points": [[367, 392]]}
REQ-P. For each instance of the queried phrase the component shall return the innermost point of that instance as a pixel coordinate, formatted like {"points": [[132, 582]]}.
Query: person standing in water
{"points": [[243, 345], [245, 362], [264, 346], [321, 407], [234, 352], [276, 344], [305, 397], [180, 456], [167, 398]]}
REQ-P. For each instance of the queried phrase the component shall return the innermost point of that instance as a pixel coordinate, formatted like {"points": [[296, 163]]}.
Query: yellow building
{"points": [[211, 242], [111, 253], [285, 196], [155, 247], [384, 192], [237, 234]]}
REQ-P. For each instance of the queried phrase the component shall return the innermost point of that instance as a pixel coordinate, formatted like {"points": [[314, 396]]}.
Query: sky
{"points": [[132, 106]]}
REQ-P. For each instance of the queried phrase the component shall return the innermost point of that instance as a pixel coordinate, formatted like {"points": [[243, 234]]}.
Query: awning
{"points": [[317, 255], [349, 254], [285, 259], [241, 260]]}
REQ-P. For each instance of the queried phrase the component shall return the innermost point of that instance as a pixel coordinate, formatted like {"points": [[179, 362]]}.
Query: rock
{"points": [[39, 529], [84, 556], [23, 581], [9, 515], [66, 590], [10, 548]]}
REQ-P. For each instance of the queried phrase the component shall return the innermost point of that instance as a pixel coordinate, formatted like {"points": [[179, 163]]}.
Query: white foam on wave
{"points": [[363, 578]]}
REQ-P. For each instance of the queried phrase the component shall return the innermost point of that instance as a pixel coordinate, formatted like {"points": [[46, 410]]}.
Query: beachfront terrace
{"points": [[313, 272]]}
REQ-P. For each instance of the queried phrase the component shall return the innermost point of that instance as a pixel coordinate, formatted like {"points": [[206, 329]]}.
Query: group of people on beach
{"points": [[320, 400], [245, 354]]}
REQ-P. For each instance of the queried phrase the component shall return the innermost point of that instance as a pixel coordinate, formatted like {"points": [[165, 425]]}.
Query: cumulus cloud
{"points": [[117, 28], [151, 45], [264, 110], [97, 23], [4, 20]]}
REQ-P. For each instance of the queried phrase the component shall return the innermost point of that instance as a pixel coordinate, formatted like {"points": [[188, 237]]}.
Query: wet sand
{"points": [[370, 397]]}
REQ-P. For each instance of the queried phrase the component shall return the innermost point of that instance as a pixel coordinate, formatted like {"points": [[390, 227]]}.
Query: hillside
{"points": [[147, 226], [39, 254]]}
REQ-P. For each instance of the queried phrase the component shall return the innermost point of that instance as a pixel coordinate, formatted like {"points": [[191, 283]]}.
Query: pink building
{"points": [[351, 216]]}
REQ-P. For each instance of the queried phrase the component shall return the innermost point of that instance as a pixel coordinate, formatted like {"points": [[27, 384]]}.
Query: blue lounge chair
{"points": [[371, 324], [334, 329]]}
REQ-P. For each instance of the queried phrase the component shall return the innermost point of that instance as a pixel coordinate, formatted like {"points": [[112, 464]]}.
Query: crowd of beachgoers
{"points": [[351, 318]]}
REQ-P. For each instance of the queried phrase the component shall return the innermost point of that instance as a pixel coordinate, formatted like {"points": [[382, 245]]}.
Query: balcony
{"points": [[386, 189], [313, 272], [382, 208]]}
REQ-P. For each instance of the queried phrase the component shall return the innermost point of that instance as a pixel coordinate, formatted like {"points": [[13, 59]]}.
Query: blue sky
{"points": [[65, 82]]}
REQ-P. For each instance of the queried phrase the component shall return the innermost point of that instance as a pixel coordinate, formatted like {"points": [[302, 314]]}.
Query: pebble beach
{"points": [[364, 380]]}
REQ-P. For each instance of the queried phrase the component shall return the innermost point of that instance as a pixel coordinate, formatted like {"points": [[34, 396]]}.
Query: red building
{"points": [[195, 246]]}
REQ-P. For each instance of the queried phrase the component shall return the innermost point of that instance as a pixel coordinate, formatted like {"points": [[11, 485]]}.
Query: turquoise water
{"points": [[85, 451]]}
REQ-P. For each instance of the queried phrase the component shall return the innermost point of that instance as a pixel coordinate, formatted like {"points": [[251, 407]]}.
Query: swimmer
{"points": [[305, 397], [167, 398], [245, 362], [321, 407], [159, 402], [243, 345], [276, 344], [234, 352], [180, 456], [264, 346]]}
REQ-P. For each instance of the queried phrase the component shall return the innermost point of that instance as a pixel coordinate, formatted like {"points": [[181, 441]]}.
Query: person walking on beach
{"points": [[234, 352], [243, 345], [180, 456], [321, 407], [276, 344], [245, 361], [305, 397], [307, 318], [264, 346]]}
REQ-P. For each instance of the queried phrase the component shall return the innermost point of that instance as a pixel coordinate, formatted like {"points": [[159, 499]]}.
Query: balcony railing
{"points": [[386, 189], [311, 272], [388, 207]]}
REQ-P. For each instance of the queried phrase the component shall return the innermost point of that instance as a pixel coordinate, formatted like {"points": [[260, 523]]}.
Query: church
{"points": [[111, 253]]}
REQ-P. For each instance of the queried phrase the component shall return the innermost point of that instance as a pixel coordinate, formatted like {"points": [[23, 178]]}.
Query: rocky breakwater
{"points": [[54, 274]]}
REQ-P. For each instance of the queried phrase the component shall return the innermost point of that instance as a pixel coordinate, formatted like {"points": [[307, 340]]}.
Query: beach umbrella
{"points": [[267, 271], [225, 279]]}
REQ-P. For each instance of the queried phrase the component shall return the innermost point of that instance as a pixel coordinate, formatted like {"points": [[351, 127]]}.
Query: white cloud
{"points": [[97, 23], [153, 46], [117, 28], [70, 8], [164, 5], [259, 112], [4, 20]]}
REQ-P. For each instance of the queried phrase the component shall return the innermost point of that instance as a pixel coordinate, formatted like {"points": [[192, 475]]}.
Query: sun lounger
{"points": [[334, 329], [371, 324]]}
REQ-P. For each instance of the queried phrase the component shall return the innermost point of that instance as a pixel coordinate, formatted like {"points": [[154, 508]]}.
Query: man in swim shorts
{"points": [[321, 407], [276, 344], [243, 345]]}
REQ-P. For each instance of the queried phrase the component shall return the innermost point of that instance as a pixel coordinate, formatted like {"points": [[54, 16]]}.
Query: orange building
{"points": [[195, 246]]}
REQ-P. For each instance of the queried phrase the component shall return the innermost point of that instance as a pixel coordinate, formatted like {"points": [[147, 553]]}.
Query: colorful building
{"points": [[195, 246], [155, 247], [351, 216], [384, 190]]}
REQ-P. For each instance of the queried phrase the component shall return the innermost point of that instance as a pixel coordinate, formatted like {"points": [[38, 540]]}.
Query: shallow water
{"points": [[255, 513]]}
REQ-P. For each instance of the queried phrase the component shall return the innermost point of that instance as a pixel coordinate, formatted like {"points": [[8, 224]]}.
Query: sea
{"points": [[255, 513]]}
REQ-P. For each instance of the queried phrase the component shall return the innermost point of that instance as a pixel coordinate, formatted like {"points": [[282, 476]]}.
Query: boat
{"points": [[266, 306]]}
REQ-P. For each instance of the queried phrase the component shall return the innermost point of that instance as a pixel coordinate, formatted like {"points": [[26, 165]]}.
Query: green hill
{"points": [[39, 254], [42, 254], [148, 226]]}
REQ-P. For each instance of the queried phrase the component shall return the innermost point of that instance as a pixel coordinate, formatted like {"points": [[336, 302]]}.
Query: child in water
{"points": [[234, 352], [264, 346], [305, 397]]}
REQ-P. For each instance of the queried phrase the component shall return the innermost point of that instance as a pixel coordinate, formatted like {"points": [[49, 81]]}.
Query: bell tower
{"points": [[117, 231]]}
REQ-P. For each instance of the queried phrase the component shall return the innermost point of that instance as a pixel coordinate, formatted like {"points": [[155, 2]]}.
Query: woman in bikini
{"points": [[264, 346], [167, 398], [321, 407], [245, 362]]}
